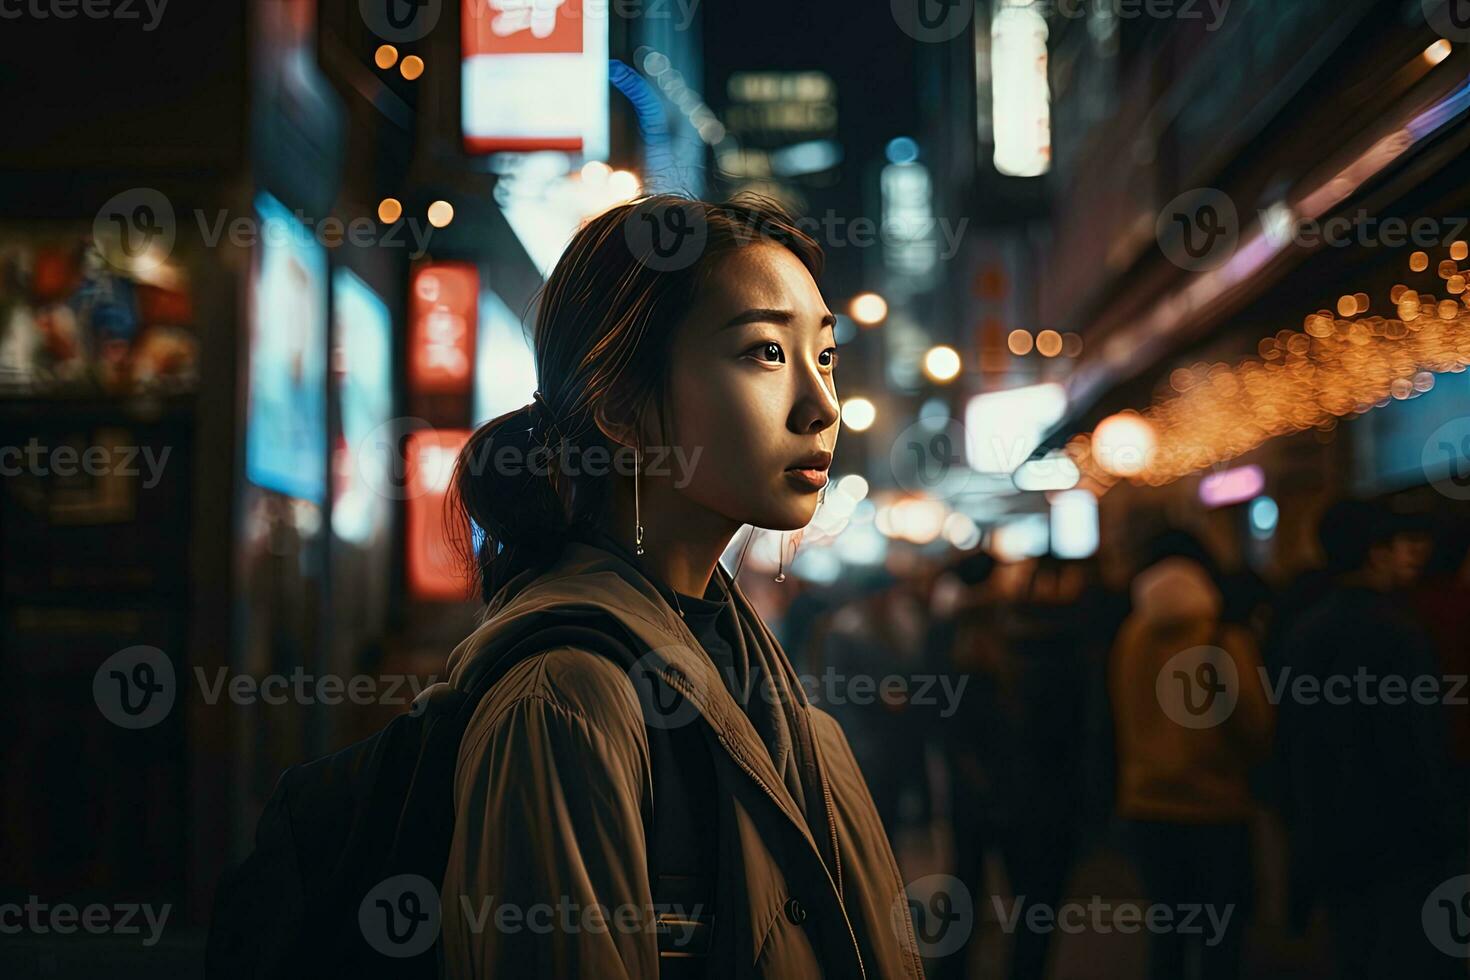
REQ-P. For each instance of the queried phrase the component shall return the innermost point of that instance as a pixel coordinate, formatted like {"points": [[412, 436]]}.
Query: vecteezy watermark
{"points": [[63, 919], [566, 916], [400, 916], [140, 223], [1212, 12], [382, 460], [1446, 917], [666, 236], [572, 460], [1198, 687], [1101, 916], [932, 21], [1202, 686], [539, 18], [1363, 230], [65, 460], [301, 687], [1365, 687], [1199, 229], [1449, 18], [246, 231], [834, 687], [1446, 458], [400, 20], [148, 13], [834, 230], [930, 458], [663, 688], [137, 688], [938, 911]]}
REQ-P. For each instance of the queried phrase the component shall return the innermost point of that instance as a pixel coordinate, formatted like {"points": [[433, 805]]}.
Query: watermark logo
{"points": [[138, 224], [1102, 917], [1198, 687], [1449, 18], [400, 20], [382, 459], [929, 458], [1446, 917], [63, 918], [932, 21], [148, 12], [666, 236], [135, 688], [35, 459], [1199, 229], [1446, 458], [941, 912], [661, 689], [401, 916]]}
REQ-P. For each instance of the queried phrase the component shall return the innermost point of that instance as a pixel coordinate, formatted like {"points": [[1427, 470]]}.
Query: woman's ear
{"points": [[630, 427], [619, 432]]}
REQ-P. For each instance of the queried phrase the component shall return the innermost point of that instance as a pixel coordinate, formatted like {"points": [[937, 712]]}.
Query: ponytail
{"points": [[505, 481]]}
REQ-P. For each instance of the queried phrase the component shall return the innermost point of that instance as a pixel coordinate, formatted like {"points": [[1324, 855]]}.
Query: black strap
{"points": [[683, 828]]}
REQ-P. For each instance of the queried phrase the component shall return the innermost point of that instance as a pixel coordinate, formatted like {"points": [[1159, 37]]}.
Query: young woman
{"points": [[686, 364]]}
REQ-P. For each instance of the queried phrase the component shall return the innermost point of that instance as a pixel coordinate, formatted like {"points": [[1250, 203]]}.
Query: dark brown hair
{"points": [[603, 334]]}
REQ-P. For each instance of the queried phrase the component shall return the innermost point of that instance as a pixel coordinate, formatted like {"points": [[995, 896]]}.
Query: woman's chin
{"points": [[791, 517]]}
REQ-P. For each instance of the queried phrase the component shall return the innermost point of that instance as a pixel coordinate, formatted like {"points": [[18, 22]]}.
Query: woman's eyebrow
{"points": [[767, 315]]}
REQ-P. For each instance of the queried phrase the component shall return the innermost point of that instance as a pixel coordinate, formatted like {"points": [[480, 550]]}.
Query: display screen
{"points": [[362, 355], [286, 420]]}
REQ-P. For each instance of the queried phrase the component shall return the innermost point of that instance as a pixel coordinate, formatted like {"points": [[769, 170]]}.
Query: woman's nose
{"points": [[816, 405]]}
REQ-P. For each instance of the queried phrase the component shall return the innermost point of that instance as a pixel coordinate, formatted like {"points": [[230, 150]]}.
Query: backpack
{"points": [[351, 849]]}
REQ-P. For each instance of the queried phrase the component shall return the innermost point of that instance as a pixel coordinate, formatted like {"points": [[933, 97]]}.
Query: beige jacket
{"points": [[1174, 763], [552, 779]]}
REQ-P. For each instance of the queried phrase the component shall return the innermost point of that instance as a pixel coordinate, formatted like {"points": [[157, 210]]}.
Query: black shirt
{"points": [[711, 621]]}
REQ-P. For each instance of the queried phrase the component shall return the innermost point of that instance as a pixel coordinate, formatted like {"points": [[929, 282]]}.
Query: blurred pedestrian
{"points": [[1186, 743], [1368, 776], [962, 638]]}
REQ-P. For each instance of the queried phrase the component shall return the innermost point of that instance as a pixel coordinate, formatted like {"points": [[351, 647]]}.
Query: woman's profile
{"points": [[686, 388]]}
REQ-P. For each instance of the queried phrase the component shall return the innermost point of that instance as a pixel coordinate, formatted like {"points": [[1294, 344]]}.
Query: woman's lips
{"points": [[808, 479]]}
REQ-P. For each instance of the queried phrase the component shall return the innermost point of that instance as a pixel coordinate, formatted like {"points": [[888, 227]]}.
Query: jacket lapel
{"points": [[590, 576]]}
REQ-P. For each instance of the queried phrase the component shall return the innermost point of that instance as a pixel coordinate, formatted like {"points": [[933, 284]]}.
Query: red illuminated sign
{"points": [[534, 76], [443, 319], [434, 565]]}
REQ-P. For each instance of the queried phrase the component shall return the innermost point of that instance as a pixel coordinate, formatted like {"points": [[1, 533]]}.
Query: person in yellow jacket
{"points": [[1191, 718], [685, 360]]}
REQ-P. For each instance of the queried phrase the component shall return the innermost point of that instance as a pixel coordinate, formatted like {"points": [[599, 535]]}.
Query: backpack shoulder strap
{"points": [[682, 830]]}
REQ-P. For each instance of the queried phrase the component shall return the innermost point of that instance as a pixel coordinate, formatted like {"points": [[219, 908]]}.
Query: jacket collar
{"points": [[587, 575]]}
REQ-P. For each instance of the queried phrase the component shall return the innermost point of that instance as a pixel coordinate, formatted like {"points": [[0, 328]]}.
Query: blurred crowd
{"points": [[1304, 747]]}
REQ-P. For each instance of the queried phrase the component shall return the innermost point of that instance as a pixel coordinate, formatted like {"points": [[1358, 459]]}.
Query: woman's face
{"points": [[753, 390]]}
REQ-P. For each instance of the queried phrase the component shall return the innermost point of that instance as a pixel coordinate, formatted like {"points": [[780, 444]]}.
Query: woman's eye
{"points": [[766, 351], [831, 357]]}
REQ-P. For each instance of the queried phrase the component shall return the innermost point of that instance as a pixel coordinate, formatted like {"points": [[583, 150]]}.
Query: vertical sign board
{"points": [[435, 572], [443, 319], [286, 413], [535, 76], [362, 358]]}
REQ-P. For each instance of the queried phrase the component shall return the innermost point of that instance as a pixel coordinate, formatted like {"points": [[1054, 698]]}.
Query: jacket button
{"points": [[795, 911]]}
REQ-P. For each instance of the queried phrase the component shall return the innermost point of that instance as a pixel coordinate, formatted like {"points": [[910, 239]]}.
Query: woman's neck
{"points": [[681, 542]]}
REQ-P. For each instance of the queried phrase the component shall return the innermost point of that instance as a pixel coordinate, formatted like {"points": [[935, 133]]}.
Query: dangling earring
{"points": [[637, 511], [781, 556]]}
